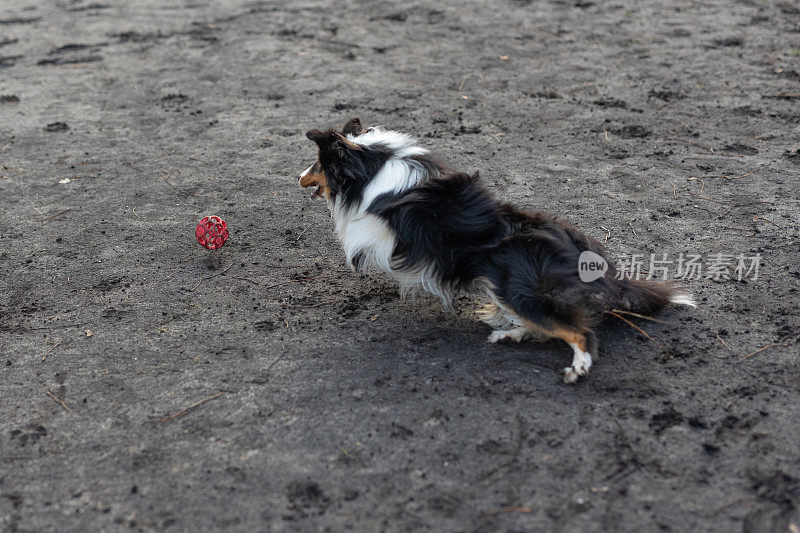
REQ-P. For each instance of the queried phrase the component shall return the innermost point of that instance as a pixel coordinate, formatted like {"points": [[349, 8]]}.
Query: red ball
{"points": [[211, 232]]}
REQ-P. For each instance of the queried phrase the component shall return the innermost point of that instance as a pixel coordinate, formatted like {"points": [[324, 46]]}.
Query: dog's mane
{"points": [[400, 145]]}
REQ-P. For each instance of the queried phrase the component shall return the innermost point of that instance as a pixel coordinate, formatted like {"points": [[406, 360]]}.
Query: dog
{"points": [[400, 210]]}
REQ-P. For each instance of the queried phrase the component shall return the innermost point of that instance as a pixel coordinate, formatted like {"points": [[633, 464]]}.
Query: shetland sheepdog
{"points": [[398, 209]]}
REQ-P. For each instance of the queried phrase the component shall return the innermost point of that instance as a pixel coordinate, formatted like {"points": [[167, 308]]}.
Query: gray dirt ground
{"points": [[338, 405]]}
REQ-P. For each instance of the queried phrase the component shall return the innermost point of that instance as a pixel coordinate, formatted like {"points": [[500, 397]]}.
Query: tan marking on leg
{"points": [[571, 336], [538, 329], [581, 359]]}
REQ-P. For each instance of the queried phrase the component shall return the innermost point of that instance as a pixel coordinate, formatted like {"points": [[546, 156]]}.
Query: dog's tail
{"points": [[643, 296]]}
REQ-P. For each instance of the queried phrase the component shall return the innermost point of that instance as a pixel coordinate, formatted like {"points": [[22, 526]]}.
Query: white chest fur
{"points": [[365, 234], [369, 236]]}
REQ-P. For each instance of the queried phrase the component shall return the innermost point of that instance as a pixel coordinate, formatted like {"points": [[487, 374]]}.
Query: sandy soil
{"points": [[327, 401]]}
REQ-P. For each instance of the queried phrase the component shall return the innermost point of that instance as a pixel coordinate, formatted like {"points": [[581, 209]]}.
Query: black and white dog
{"points": [[396, 208]]}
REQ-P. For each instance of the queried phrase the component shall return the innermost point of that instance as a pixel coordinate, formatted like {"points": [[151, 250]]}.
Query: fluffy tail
{"points": [[642, 296]]}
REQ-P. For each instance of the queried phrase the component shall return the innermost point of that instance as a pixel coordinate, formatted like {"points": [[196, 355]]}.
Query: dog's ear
{"points": [[353, 127], [345, 143], [331, 141], [317, 136]]}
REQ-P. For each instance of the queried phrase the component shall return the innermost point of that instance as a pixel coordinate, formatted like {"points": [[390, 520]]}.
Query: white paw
{"points": [[574, 372], [516, 334], [496, 336]]}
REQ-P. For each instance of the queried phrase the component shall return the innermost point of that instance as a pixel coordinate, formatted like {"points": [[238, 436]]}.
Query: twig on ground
{"points": [[59, 400], [702, 185], [167, 174], [195, 404], [637, 315], [608, 233], [734, 228], [301, 234], [52, 348], [726, 176], [723, 342], [751, 354], [755, 219], [640, 330]]}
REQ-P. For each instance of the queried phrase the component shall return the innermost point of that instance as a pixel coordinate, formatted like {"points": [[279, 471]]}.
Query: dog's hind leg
{"points": [[583, 342], [584, 347], [581, 339], [506, 325], [517, 334], [532, 275]]}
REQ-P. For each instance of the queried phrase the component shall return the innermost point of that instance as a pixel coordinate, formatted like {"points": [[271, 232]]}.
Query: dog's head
{"points": [[342, 165]]}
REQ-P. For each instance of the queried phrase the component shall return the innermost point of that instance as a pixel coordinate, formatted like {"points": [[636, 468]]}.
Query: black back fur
{"points": [[531, 260]]}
